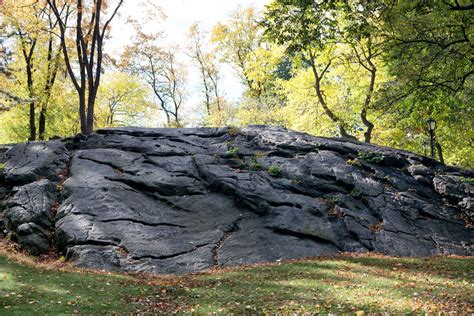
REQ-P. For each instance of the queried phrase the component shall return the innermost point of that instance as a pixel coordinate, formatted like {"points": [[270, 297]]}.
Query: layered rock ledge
{"points": [[184, 200]]}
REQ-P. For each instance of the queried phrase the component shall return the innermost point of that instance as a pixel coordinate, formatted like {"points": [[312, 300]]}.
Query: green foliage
{"points": [[241, 164], [333, 199], [463, 179], [431, 50], [274, 171], [233, 152], [298, 26], [355, 193], [122, 100], [2, 167], [372, 157], [255, 165]]}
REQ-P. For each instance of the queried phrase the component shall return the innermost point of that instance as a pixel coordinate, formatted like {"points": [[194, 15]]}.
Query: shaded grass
{"points": [[341, 284], [26, 290]]}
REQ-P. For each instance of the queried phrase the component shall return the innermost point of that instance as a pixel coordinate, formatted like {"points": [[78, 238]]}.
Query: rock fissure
{"points": [[174, 255], [285, 231], [135, 221], [234, 227]]}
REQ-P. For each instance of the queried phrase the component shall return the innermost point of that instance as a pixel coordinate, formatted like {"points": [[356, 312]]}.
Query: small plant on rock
{"points": [[463, 179], [333, 199], [241, 164], [274, 171], [2, 167], [355, 193], [371, 157], [354, 162], [233, 152], [255, 165]]}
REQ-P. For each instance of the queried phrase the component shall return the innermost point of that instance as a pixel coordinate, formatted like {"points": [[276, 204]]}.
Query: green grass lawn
{"points": [[342, 284]]}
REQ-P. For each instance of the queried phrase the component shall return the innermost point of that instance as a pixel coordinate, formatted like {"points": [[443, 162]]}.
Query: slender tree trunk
{"points": [[216, 91], [28, 55], [370, 126], [42, 123], [205, 83], [363, 114], [52, 71], [31, 93], [32, 122], [317, 87], [82, 112], [439, 149], [90, 116]]}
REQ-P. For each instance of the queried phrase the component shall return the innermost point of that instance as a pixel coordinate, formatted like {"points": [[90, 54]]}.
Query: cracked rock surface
{"points": [[185, 200]]}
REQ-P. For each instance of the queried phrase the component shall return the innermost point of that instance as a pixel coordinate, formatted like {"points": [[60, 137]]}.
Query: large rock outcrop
{"points": [[181, 200]]}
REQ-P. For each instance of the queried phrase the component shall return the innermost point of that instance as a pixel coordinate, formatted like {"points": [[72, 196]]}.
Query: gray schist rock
{"points": [[183, 200], [33, 170]]}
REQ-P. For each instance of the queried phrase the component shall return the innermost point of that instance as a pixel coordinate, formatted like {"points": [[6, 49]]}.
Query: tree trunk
{"points": [[205, 83], [31, 93], [216, 91], [363, 114], [52, 71], [322, 101], [32, 122], [42, 123], [370, 126], [82, 112], [440, 152], [90, 116]]}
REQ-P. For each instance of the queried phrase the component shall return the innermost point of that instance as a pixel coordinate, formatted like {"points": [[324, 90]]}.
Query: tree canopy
{"points": [[371, 71]]}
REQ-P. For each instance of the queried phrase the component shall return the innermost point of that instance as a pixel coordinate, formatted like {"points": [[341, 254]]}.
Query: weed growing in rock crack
{"points": [[355, 193], [333, 199], [255, 165], [241, 164], [274, 171], [59, 188], [233, 152], [354, 162], [463, 179], [371, 157]]}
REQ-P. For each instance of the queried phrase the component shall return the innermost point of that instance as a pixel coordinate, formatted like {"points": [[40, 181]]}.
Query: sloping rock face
{"points": [[183, 200]]}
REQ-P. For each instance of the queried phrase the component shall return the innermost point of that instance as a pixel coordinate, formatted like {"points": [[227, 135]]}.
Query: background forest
{"points": [[373, 71]]}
